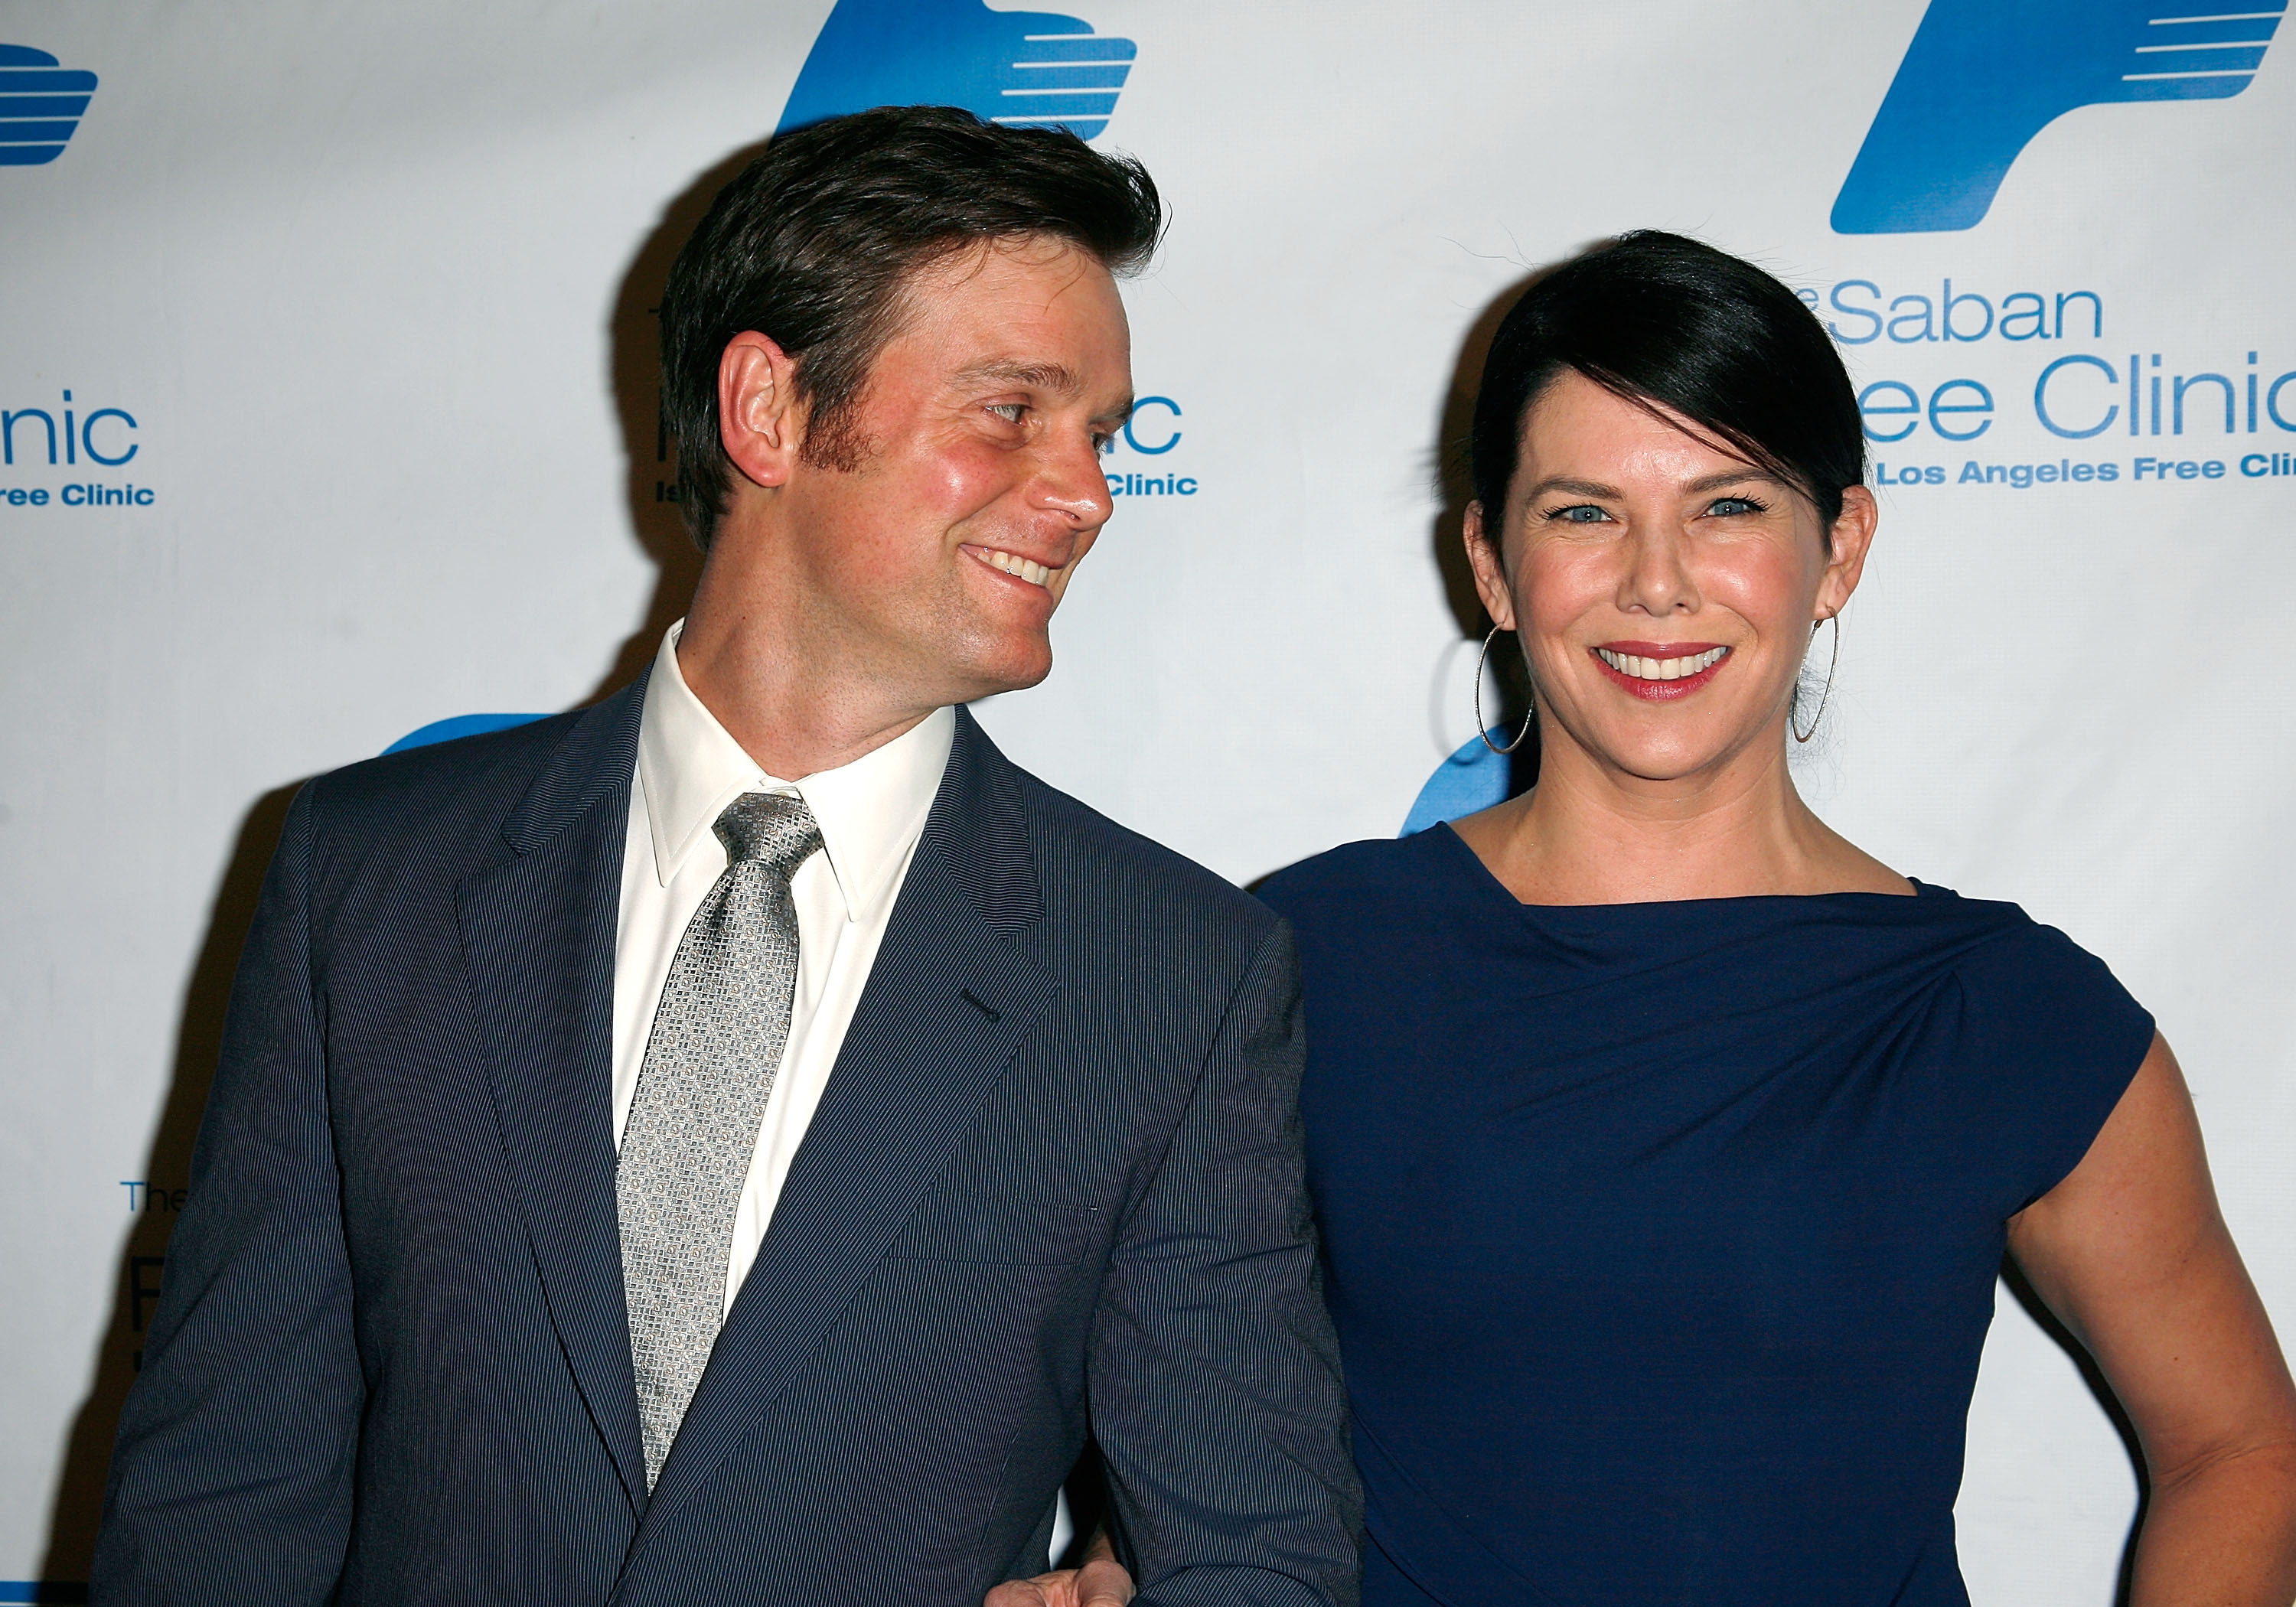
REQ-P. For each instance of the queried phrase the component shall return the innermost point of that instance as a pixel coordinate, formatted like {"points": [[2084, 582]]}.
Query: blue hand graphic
{"points": [[1469, 781], [1983, 76], [1017, 68], [460, 725], [40, 103]]}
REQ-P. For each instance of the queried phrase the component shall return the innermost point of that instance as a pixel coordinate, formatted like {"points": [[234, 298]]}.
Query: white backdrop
{"points": [[369, 289]]}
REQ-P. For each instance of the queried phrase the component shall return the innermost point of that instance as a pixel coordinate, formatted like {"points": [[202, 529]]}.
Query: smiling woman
{"points": [[1666, 1144], [1720, 391]]}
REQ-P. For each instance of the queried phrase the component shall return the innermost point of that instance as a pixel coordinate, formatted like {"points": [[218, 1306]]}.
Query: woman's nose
{"points": [[1658, 578]]}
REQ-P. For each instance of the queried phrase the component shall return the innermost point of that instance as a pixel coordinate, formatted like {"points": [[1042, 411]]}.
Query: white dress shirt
{"points": [[871, 813]]}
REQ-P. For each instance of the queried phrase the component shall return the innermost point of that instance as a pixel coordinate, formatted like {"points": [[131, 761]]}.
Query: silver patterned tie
{"points": [[709, 1061]]}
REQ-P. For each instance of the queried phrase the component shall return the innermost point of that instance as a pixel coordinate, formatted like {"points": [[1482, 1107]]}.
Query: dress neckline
{"points": [[1481, 873]]}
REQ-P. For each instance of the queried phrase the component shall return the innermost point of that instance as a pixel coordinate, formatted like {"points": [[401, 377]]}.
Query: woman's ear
{"points": [[1490, 576], [1852, 536]]}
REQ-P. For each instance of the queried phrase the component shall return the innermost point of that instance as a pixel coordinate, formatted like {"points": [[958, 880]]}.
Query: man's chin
{"points": [[1015, 670], [1021, 680]]}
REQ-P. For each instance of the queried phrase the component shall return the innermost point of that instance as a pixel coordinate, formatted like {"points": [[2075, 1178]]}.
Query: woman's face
{"points": [[1664, 590]]}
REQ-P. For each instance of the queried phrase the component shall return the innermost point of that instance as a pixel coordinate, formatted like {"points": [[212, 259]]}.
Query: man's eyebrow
{"points": [[1038, 376], [1055, 377]]}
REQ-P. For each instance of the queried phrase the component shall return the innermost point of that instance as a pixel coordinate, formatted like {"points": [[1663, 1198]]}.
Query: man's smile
{"points": [[1013, 565]]}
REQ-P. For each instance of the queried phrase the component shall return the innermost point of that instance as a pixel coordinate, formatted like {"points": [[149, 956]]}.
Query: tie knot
{"points": [[769, 828]]}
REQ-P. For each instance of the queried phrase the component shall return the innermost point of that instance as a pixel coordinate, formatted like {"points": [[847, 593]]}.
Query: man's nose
{"points": [[1069, 481]]}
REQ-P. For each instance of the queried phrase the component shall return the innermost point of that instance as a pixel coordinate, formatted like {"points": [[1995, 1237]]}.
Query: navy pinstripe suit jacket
{"points": [[1054, 1186]]}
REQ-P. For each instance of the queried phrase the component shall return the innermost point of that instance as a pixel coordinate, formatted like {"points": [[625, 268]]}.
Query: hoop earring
{"points": [[1483, 730], [1800, 735]]}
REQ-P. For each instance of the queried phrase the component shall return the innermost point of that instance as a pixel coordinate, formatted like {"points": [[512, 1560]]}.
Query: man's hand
{"points": [[1101, 1582]]}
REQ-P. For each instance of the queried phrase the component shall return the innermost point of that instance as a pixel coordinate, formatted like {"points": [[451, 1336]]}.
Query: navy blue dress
{"points": [[1662, 1237]]}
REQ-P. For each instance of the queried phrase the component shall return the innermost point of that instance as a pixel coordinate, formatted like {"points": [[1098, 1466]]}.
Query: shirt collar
{"points": [[871, 812]]}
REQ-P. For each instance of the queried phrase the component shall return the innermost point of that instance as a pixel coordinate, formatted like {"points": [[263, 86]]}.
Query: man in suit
{"points": [[736, 1142]]}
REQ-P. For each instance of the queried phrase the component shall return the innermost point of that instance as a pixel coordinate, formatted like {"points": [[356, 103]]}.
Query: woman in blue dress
{"points": [[1665, 1144]]}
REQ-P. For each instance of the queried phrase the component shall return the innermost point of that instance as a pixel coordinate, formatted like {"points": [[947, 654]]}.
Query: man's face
{"points": [[938, 559]]}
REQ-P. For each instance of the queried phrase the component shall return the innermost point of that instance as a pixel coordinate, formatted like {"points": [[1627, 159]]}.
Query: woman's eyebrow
{"points": [[1709, 482], [1736, 477], [1575, 488]]}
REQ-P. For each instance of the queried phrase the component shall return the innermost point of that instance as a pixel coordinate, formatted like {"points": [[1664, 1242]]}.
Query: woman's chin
{"points": [[1671, 756]]}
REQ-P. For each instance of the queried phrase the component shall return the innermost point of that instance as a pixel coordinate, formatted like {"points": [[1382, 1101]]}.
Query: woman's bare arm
{"points": [[2132, 1254]]}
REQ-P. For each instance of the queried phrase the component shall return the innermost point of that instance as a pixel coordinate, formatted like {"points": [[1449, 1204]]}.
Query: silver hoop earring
{"points": [[1483, 730], [1800, 735]]}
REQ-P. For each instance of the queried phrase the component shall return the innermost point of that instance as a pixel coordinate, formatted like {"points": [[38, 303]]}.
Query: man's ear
{"points": [[760, 420]]}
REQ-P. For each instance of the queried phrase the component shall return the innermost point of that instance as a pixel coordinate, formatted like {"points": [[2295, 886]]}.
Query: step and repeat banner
{"points": [[327, 412]]}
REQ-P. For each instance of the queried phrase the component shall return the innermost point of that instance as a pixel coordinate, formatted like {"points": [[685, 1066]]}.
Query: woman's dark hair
{"points": [[816, 241], [1668, 322]]}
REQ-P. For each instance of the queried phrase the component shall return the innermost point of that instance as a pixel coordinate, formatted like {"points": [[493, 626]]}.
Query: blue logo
{"points": [[460, 725], [1021, 69], [1983, 76], [40, 103], [1473, 779]]}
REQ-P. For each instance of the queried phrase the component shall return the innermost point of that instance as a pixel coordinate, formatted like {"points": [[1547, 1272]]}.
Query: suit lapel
{"points": [[947, 1006], [539, 936]]}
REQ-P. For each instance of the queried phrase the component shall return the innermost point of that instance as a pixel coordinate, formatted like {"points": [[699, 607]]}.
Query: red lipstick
{"points": [[1653, 691]]}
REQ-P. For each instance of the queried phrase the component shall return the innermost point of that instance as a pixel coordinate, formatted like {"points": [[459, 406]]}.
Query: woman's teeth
{"points": [[1013, 563], [1662, 669]]}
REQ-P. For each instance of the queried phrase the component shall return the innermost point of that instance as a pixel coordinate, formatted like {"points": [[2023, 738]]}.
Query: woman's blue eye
{"points": [[1730, 505], [1010, 412], [1584, 514]]}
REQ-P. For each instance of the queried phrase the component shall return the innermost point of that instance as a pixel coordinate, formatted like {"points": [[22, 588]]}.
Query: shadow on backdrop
{"points": [[2101, 1391], [79, 1500], [1506, 691], [650, 462], [650, 489]]}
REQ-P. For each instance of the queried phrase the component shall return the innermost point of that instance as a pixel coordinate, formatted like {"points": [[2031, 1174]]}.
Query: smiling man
{"points": [[737, 1141]]}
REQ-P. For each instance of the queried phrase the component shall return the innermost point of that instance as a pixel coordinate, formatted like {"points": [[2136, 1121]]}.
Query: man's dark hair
{"points": [[1661, 319], [816, 241]]}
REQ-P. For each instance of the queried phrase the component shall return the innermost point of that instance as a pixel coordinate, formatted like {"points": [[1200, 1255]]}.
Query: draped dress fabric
{"points": [[1661, 1238]]}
